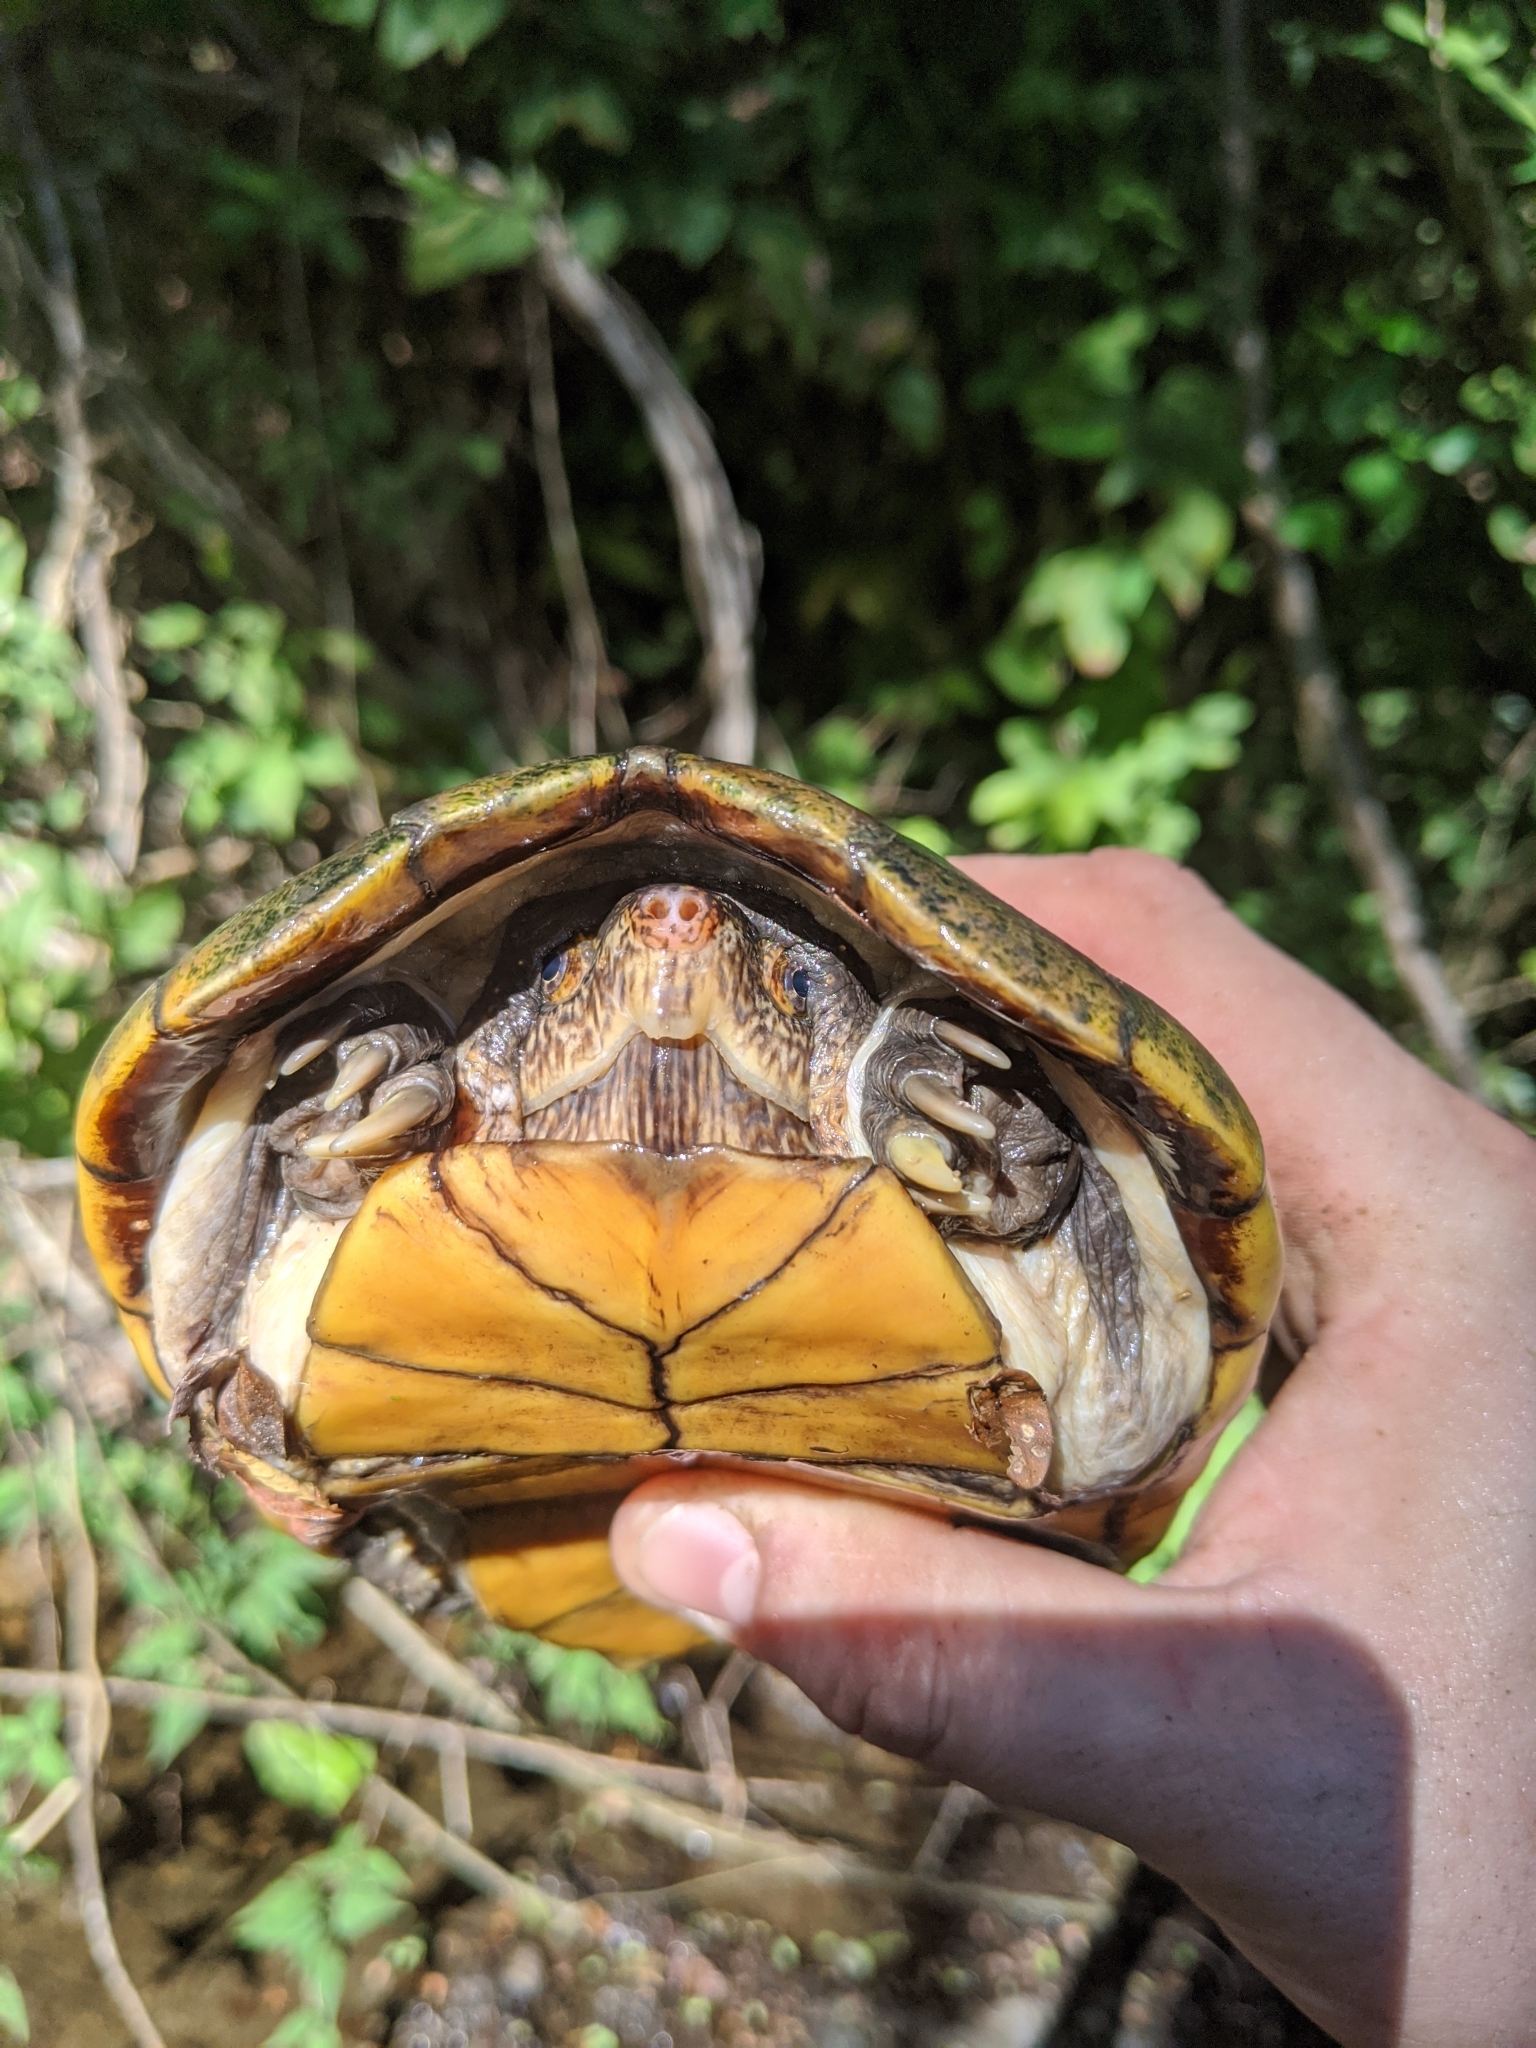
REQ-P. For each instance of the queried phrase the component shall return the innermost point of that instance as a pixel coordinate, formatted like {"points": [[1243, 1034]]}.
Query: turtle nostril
{"points": [[656, 907], [688, 908]]}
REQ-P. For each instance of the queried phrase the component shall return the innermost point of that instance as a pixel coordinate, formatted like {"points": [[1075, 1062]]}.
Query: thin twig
{"points": [[426, 1658], [955, 1809], [453, 1784], [722, 556], [122, 766], [589, 659], [40, 1823], [70, 575], [731, 1786], [402, 1729], [819, 1867], [1330, 747], [86, 1725], [53, 574], [304, 370]]}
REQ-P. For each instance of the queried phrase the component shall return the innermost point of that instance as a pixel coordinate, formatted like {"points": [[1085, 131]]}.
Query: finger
{"points": [[1243, 1753]]}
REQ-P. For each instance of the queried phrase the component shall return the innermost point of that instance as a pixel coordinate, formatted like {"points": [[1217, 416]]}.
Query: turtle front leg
{"points": [[391, 1094], [941, 1106]]}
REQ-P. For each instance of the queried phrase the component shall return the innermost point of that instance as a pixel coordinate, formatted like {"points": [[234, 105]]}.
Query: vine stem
{"points": [[1330, 747]]}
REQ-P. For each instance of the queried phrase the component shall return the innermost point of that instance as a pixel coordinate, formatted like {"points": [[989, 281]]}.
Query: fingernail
{"points": [[701, 1558]]}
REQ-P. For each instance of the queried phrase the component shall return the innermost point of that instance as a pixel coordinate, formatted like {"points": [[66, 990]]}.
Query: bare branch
{"points": [[1330, 749], [183, 471], [721, 555], [40, 1823], [364, 815], [955, 1809], [589, 658], [426, 1659], [53, 575], [122, 766], [538, 1755], [86, 1725], [69, 580]]}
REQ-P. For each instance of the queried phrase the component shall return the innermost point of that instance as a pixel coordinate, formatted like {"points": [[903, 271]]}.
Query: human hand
{"points": [[1319, 1721]]}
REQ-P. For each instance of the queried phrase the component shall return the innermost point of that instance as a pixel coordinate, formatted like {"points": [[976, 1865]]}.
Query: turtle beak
{"points": [[673, 929]]}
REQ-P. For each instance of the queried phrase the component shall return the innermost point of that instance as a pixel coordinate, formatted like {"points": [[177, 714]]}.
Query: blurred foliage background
{"points": [[957, 289]]}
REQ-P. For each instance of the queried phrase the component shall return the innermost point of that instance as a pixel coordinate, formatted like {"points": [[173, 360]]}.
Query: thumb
{"points": [[1235, 1742]]}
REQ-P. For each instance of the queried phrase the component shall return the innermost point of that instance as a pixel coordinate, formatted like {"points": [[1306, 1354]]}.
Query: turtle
{"points": [[642, 1110]]}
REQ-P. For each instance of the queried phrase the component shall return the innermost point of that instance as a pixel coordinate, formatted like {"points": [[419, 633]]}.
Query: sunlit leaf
{"points": [[14, 2023], [307, 1766]]}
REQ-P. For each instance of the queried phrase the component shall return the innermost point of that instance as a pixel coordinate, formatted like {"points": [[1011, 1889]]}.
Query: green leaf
{"points": [[1512, 534], [914, 404], [744, 18], [307, 1766], [1026, 672], [13, 561], [171, 627], [1451, 451], [1318, 526], [591, 109], [1186, 546], [147, 927], [13, 2008], [411, 31], [1093, 595], [345, 13], [457, 231], [305, 2028], [598, 230]]}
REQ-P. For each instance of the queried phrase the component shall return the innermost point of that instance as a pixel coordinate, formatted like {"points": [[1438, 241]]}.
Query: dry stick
{"points": [[400, 1728], [955, 1809], [722, 557], [458, 1857], [40, 1823], [122, 766], [589, 659], [818, 1867], [340, 608], [184, 471], [53, 575], [426, 1658], [1330, 748], [70, 575], [86, 1724]]}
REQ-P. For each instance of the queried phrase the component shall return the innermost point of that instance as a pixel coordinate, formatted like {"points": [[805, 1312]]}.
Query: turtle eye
{"points": [[563, 973], [789, 985]]}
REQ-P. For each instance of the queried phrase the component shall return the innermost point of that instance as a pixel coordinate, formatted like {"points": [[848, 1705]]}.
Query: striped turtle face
{"points": [[685, 1177]]}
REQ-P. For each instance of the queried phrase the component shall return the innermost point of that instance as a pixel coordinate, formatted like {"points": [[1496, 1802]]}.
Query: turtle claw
{"points": [[363, 1065], [920, 1157], [971, 1045], [416, 1100], [943, 1106]]}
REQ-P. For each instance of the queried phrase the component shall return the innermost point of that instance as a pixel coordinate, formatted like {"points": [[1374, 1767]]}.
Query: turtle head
{"points": [[676, 966]]}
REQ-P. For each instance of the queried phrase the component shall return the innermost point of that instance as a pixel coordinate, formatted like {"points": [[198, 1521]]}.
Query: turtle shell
{"points": [[521, 851]]}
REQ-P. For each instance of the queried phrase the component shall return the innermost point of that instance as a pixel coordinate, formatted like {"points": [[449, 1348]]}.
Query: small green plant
{"points": [[307, 1766], [582, 1688], [311, 1916], [32, 1758]]}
